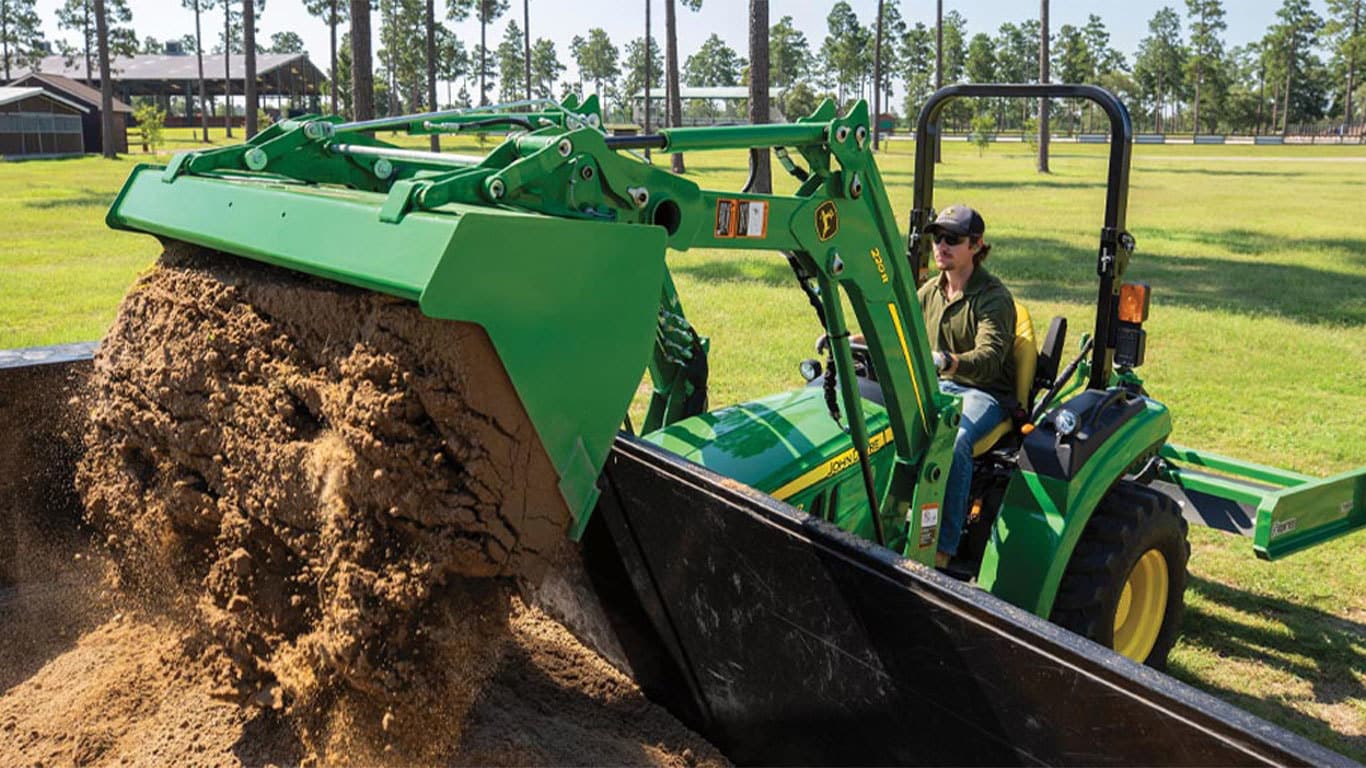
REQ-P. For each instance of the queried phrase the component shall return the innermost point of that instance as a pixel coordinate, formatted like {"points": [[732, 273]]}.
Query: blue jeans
{"points": [[981, 414]]}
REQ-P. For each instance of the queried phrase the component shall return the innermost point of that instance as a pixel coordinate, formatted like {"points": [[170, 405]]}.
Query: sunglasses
{"points": [[944, 237]]}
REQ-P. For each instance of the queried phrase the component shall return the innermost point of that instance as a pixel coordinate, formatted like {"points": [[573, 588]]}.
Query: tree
{"points": [[761, 170], [1074, 61], [79, 16], [198, 7], [1017, 58], [715, 64], [916, 58], [886, 34], [545, 68], [249, 54], [21, 36], [431, 65], [453, 62], [1161, 60], [333, 12], [1293, 37], [106, 82], [674, 100], [511, 59], [286, 42], [150, 46], [403, 64], [789, 55], [597, 60], [635, 66], [1206, 47], [1044, 78], [362, 73], [844, 50], [981, 68], [486, 12], [1346, 29]]}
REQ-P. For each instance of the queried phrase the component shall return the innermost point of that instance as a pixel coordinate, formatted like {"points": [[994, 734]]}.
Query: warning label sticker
{"points": [[725, 217], [929, 525], [753, 219], [741, 218]]}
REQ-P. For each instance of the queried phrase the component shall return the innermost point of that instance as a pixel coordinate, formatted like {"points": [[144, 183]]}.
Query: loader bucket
{"points": [[570, 306]]}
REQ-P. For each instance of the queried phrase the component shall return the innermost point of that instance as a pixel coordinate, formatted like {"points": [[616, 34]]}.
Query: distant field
{"points": [[1257, 341]]}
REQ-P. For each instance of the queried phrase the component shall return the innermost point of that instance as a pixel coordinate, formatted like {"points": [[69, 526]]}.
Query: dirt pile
{"points": [[92, 681], [324, 513]]}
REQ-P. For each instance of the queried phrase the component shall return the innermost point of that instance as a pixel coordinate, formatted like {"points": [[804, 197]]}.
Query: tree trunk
{"points": [[1261, 99], [1195, 115], [1044, 77], [332, 23], [526, 40], [199, 54], [249, 54], [483, 67], [760, 166], [649, 54], [938, 75], [86, 31], [1157, 118], [877, 76], [435, 140], [1352, 67], [673, 97], [362, 72], [227, 67], [1285, 110], [106, 85]]}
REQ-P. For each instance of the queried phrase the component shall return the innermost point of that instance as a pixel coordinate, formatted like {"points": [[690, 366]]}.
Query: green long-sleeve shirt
{"points": [[978, 327]]}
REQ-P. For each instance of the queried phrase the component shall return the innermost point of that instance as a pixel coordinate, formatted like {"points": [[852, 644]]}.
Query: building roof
{"points": [[9, 94], [79, 92], [718, 92], [163, 67]]}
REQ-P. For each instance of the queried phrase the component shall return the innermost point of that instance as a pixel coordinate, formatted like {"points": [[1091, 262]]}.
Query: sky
{"points": [[624, 20]]}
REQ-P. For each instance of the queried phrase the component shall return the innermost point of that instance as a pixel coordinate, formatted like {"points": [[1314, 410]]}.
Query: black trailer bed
{"points": [[785, 641]]}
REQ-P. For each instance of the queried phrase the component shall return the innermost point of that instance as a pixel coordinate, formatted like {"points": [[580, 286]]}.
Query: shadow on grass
{"points": [[86, 198], [1039, 182], [775, 273], [1046, 269], [1325, 639], [1166, 168]]}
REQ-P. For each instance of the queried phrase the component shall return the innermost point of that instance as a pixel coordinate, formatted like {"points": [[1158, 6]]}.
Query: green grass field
{"points": [[1257, 342]]}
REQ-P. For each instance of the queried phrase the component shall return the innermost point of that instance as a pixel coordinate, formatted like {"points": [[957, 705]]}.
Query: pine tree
{"points": [[21, 36], [486, 12]]}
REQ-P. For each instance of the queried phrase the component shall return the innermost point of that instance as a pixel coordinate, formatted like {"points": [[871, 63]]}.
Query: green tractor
{"points": [[1078, 513]]}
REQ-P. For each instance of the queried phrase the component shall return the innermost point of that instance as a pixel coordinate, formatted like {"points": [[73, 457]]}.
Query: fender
{"points": [[1050, 499]]}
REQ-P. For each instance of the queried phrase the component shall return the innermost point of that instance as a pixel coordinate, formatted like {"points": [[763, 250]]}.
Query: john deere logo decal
{"points": [[827, 220]]}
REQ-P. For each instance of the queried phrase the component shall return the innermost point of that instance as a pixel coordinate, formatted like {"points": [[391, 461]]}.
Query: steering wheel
{"points": [[863, 359]]}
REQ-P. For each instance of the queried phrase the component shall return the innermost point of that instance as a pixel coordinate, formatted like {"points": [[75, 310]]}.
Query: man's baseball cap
{"points": [[958, 220]]}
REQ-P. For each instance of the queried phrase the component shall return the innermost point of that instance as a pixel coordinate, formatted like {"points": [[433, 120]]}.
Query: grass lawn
{"points": [[1257, 342]]}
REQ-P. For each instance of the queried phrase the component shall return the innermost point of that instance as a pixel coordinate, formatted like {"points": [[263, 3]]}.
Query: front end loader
{"points": [[554, 245]]}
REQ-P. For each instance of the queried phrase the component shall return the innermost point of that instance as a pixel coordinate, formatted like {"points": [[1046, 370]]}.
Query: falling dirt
{"points": [[311, 520]]}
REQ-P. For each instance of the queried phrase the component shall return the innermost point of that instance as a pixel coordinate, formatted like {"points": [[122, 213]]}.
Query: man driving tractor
{"points": [[970, 318]]}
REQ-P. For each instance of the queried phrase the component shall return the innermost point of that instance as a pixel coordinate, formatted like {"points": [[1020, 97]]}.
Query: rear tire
{"points": [[1126, 582]]}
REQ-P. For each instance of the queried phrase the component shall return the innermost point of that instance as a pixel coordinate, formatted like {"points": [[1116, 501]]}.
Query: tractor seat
{"points": [[1026, 354]]}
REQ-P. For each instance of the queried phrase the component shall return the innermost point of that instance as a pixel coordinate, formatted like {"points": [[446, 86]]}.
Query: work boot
{"points": [[941, 560]]}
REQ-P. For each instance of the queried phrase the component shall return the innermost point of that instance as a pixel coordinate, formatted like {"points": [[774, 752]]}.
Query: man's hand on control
{"points": [[945, 363]]}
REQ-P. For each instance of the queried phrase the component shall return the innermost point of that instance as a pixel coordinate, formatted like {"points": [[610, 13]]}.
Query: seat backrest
{"points": [[1026, 353]]}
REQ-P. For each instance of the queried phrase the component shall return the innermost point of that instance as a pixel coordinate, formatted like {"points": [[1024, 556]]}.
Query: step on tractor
{"points": [[765, 552]]}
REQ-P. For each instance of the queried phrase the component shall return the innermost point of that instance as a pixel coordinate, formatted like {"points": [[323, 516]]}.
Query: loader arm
{"points": [[425, 226]]}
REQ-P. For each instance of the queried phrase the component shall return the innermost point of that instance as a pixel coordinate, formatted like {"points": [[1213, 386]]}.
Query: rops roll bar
{"points": [[1116, 245]]}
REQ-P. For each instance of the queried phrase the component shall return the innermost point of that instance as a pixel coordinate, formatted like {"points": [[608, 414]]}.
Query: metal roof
{"points": [[689, 92], [161, 67], [10, 94], [76, 90]]}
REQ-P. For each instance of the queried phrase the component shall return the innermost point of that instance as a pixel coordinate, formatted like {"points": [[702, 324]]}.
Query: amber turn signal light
{"points": [[1133, 302]]}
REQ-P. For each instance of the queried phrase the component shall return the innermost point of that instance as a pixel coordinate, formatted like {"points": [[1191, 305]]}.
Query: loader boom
{"points": [[488, 239]]}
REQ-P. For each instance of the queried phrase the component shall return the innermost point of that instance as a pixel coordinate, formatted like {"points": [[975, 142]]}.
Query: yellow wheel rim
{"points": [[1141, 607]]}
